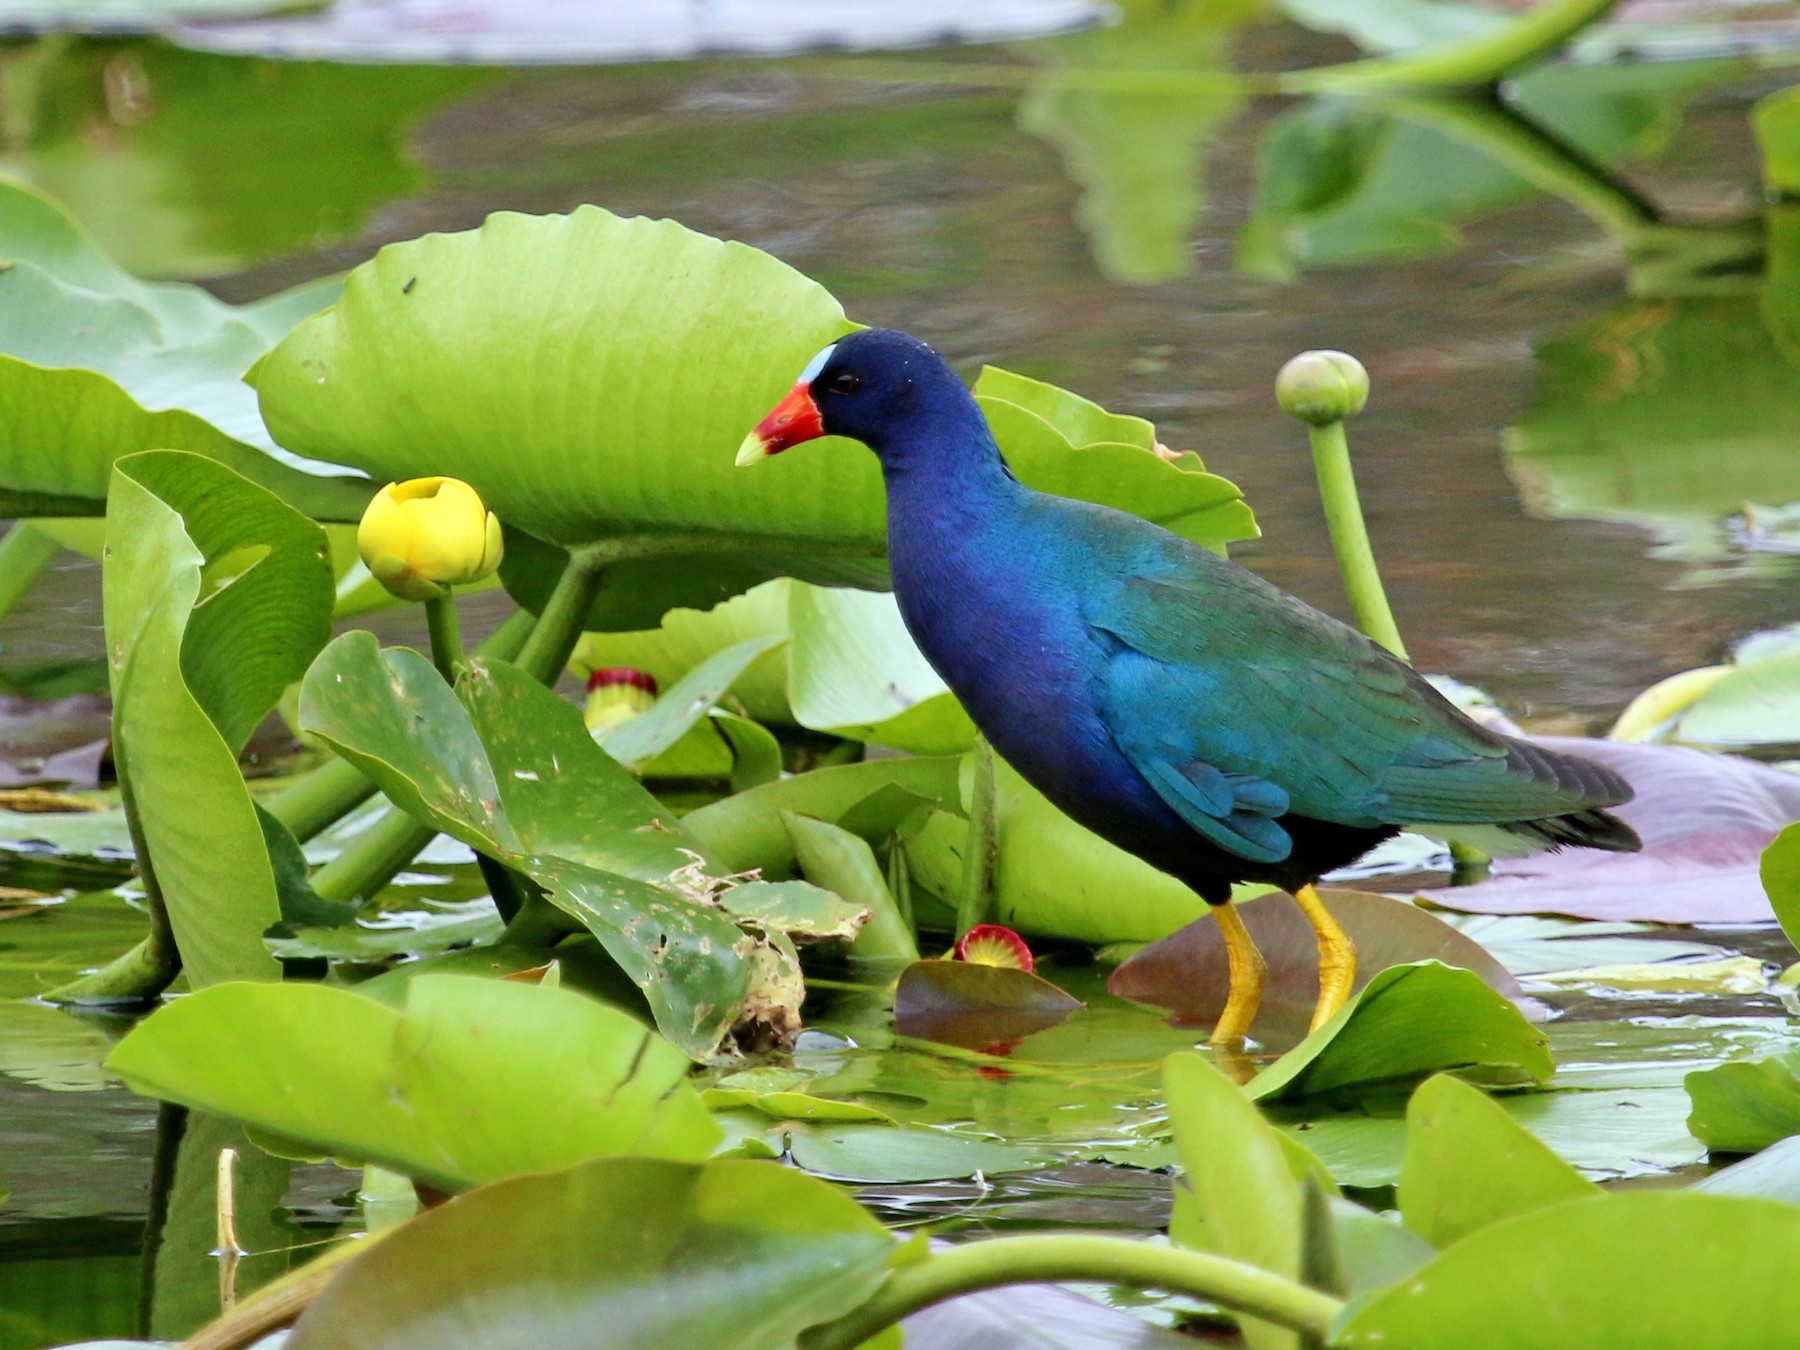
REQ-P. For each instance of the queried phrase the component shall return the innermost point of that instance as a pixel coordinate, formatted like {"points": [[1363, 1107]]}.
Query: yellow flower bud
{"points": [[615, 695], [421, 537]]}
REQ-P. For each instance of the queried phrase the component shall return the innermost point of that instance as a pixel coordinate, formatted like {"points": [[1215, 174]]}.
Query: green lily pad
{"points": [[842, 862], [757, 1251], [1410, 1022], [217, 597], [1746, 1106], [471, 1080], [96, 364], [1468, 1164], [1729, 1288]]}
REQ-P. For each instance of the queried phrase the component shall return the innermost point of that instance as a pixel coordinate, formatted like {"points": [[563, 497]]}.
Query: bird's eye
{"points": [[845, 383]]}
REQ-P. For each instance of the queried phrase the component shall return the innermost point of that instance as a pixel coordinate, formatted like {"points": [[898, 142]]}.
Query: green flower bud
{"points": [[421, 537], [1322, 387]]}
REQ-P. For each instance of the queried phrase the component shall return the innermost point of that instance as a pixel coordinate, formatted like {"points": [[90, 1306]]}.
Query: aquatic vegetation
{"points": [[614, 1001]]}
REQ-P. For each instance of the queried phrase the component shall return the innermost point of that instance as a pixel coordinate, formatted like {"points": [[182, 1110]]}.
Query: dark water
{"points": [[1581, 357]]}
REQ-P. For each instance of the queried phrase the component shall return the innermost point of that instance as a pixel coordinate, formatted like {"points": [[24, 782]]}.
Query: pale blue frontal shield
{"points": [[814, 366]]}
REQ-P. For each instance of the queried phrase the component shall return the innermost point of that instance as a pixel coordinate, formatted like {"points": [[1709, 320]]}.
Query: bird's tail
{"points": [[1590, 829], [1586, 781]]}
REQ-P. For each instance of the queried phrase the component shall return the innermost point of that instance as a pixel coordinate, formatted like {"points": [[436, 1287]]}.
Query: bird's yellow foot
{"points": [[1248, 975], [1337, 957]]}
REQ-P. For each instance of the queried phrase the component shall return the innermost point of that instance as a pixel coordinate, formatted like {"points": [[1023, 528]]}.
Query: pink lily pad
{"points": [[1186, 972], [1705, 820]]}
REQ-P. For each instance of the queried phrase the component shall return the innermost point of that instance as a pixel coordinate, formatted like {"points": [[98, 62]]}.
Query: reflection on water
{"points": [[1580, 318]]}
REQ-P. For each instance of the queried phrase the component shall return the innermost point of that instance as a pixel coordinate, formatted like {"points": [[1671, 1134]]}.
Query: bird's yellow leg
{"points": [[1248, 974], [1337, 957]]}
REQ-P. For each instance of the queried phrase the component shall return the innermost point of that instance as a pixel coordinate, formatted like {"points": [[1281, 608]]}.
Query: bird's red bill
{"points": [[791, 421]]}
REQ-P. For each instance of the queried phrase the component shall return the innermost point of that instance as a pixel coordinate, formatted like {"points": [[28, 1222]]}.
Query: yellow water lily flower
{"points": [[421, 537]]}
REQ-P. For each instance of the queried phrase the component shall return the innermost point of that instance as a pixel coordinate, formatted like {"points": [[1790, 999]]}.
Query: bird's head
{"points": [[874, 386]]}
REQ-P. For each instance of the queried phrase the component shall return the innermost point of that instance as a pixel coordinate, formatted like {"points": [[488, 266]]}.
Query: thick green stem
{"points": [[446, 636], [373, 858], [1468, 64], [1350, 537], [1098, 1260], [150, 967], [559, 626], [981, 855], [25, 554], [319, 798]]}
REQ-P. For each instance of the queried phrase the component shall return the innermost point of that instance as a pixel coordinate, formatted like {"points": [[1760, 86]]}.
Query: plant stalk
{"points": [[373, 858], [150, 967], [1468, 64], [446, 637], [981, 855], [560, 624], [1350, 537], [991, 1264]]}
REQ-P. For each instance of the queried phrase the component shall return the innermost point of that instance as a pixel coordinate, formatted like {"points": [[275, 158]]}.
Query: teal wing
{"points": [[1239, 703]]}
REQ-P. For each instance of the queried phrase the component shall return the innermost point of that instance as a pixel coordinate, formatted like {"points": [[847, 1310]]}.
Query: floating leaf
{"points": [[198, 659], [1187, 973], [1407, 1023], [1468, 1165], [1730, 1286], [472, 1079], [1773, 1174], [979, 1006], [1705, 820]]}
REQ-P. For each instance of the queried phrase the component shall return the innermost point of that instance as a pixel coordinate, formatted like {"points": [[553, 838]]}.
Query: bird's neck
{"points": [[947, 487]]}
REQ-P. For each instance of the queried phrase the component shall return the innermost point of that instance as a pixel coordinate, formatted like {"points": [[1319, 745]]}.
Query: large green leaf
{"points": [[95, 364], [1468, 1164], [1776, 120], [621, 1252], [509, 769], [1237, 1169], [1745, 1106], [1407, 1023], [217, 596], [1653, 1270], [591, 375], [471, 1080]]}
